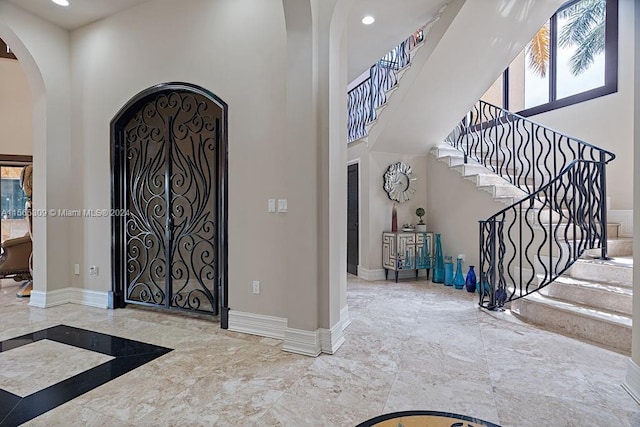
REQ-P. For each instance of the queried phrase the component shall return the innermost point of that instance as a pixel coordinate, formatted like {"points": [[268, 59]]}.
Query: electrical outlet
{"points": [[76, 269], [256, 287], [93, 271], [271, 205], [282, 205]]}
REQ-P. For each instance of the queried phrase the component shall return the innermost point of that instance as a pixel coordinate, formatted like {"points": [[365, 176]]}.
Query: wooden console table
{"points": [[407, 250]]}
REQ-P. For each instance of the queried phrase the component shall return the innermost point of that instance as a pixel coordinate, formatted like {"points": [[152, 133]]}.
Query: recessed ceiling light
{"points": [[368, 20], [61, 2]]}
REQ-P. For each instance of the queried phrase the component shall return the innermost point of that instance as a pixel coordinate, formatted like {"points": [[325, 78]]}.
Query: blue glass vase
{"points": [[438, 270], [448, 271], [471, 281], [458, 280]]}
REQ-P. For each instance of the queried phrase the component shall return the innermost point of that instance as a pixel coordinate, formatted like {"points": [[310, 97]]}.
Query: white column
{"points": [[632, 380]]}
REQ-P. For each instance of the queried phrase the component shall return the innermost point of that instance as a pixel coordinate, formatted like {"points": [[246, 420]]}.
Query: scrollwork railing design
{"points": [[529, 244], [364, 99]]}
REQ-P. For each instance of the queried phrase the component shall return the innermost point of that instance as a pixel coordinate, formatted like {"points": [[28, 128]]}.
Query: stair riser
{"points": [[602, 273], [592, 297], [451, 161], [475, 169], [562, 231], [592, 329], [545, 216], [615, 248], [488, 179], [504, 191]]}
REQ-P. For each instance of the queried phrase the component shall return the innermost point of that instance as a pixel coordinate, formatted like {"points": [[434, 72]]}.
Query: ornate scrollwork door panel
{"points": [[170, 185]]}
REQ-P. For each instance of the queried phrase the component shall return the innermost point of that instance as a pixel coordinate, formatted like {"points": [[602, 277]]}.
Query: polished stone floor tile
{"points": [[73, 414], [291, 410], [119, 356], [25, 374], [413, 345]]}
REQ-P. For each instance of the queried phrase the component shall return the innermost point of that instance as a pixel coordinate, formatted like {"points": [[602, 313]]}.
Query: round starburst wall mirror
{"points": [[399, 182]]}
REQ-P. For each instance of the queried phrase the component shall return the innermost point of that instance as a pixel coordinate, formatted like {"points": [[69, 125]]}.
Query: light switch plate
{"points": [[272, 205], [282, 205]]}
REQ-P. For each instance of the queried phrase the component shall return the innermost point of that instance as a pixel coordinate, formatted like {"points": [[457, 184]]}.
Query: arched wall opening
{"points": [[43, 51]]}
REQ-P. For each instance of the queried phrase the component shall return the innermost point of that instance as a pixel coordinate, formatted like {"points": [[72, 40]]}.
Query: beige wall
{"points": [[43, 52], [380, 206], [494, 95], [454, 207], [116, 58], [16, 105], [375, 205]]}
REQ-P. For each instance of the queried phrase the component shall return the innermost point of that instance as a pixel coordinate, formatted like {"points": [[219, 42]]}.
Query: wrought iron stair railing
{"points": [[364, 99], [529, 244]]}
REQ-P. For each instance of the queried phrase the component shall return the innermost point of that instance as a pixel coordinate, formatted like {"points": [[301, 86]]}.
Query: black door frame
{"points": [[356, 166], [118, 123]]}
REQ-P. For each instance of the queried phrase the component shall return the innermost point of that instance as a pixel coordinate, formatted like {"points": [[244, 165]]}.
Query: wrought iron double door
{"points": [[170, 192]]}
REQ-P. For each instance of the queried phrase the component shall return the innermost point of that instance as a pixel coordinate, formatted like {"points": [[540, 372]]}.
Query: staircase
{"points": [[546, 255], [592, 301]]}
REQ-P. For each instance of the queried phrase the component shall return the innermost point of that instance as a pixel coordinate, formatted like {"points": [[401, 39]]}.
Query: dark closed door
{"points": [[169, 167], [352, 219]]}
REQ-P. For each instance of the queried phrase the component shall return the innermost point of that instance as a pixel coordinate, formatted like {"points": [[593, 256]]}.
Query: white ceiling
{"points": [[395, 21], [78, 13]]}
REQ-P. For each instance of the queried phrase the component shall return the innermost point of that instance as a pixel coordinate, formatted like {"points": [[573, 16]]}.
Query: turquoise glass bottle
{"points": [[458, 280], [438, 270], [448, 271]]}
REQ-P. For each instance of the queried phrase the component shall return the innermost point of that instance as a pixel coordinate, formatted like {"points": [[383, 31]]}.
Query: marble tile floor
{"points": [[413, 345]]}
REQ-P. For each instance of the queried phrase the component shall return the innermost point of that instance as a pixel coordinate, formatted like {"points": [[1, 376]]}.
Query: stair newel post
{"points": [[603, 206], [492, 265], [482, 261], [551, 198]]}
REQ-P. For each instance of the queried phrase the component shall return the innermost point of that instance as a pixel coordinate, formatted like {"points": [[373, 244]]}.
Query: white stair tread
{"points": [[603, 315], [621, 261], [607, 287]]}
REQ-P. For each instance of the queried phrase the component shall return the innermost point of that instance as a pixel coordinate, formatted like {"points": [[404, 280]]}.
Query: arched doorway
{"points": [[169, 200]]}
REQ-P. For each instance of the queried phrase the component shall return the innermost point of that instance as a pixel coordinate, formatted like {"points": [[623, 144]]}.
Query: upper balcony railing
{"points": [[364, 99]]}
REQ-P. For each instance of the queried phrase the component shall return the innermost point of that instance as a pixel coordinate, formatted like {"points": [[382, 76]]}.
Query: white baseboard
{"points": [[345, 318], [632, 380], [308, 343], [625, 219], [332, 339], [257, 324], [69, 296], [38, 299], [370, 275], [302, 342]]}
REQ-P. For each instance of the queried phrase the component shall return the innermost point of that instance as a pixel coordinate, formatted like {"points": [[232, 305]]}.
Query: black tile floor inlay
{"points": [[128, 355]]}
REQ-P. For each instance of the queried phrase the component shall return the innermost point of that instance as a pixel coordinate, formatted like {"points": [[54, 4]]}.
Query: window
{"points": [[571, 59], [12, 198]]}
